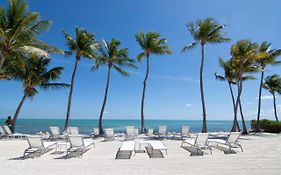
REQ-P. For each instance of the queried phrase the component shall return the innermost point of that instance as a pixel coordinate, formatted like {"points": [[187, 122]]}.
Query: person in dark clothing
{"points": [[9, 122]]}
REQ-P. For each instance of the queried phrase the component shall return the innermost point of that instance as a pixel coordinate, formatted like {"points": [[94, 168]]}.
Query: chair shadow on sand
{"points": [[76, 154], [33, 155], [195, 152]]}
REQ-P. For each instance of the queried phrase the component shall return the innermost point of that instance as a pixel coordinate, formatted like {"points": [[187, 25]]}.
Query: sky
{"points": [[173, 85]]}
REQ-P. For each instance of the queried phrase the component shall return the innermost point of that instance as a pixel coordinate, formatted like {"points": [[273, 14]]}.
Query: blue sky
{"points": [[173, 88]]}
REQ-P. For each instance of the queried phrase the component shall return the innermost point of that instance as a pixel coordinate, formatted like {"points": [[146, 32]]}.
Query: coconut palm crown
{"points": [[19, 30], [151, 43]]}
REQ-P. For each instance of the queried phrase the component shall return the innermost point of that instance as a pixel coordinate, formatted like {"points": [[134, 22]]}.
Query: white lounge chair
{"points": [[155, 148], [3, 133], [55, 131], [78, 144], [126, 149], [36, 145], [75, 131], [109, 134], [150, 133], [13, 135], [185, 131], [95, 132], [200, 143], [162, 131], [130, 132], [231, 141]]}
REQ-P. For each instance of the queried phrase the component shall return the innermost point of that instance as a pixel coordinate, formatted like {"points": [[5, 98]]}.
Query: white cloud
{"points": [[266, 97], [188, 105]]}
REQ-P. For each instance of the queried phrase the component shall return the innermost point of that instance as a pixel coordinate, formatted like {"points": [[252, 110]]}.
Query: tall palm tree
{"points": [[228, 76], [84, 45], [273, 84], [19, 29], [267, 56], [203, 32], [151, 43], [35, 74], [244, 53], [113, 57]]}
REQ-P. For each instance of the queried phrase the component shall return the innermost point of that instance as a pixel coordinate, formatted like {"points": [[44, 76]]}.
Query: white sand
{"points": [[262, 155]]}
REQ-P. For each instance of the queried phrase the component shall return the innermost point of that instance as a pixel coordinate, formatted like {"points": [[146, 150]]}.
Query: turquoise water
{"points": [[31, 126]]}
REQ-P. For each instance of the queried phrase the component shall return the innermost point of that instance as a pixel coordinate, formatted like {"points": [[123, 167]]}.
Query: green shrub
{"points": [[267, 125]]}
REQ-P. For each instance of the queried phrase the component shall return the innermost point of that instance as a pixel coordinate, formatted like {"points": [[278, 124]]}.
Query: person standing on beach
{"points": [[9, 122]]}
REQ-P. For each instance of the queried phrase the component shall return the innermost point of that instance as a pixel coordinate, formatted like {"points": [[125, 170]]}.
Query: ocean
{"points": [[31, 126]]}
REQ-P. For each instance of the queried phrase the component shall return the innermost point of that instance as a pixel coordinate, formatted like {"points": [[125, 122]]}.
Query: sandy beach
{"points": [[261, 156]]}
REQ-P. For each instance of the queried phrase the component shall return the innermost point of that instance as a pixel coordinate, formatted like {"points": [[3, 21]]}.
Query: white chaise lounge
{"points": [[13, 135], [126, 150], [162, 131], [36, 145], [78, 145], [155, 148], [109, 134], [231, 141], [130, 132], [55, 133], [200, 143]]}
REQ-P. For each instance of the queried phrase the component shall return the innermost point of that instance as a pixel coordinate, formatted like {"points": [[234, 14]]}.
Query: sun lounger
{"points": [[36, 145], [185, 131], [162, 131], [155, 148], [231, 141], [78, 145], [130, 132], [200, 143], [55, 131], [126, 149], [3, 133], [150, 133], [75, 131], [13, 135], [109, 134], [96, 132]]}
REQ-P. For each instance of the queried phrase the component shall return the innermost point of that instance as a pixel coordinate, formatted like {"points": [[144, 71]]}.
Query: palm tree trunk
{"points": [[232, 95], [204, 127], [258, 129], [2, 60], [244, 130], [70, 94], [17, 112], [235, 127], [143, 94], [274, 104], [104, 101]]}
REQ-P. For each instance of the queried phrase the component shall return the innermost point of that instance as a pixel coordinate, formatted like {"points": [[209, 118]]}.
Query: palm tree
{"points": [[19, 29], [84, 45], [151, 43], [35, 74], [273, 84], [205, 31], [244, 53], [113, 57], [266, 57], [228, 76]]}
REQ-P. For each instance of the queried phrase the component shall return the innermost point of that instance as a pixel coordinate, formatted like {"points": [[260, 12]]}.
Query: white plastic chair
{"points": [[13, 135], [78, 144], [55, 131], [231, 141], [200, 142], [162, 131], [109, 134], [36, 145], [185, 131], [130, 132]]}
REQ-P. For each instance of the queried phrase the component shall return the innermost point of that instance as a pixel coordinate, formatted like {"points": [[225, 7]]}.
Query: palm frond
{"points": [[189, 46]]}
